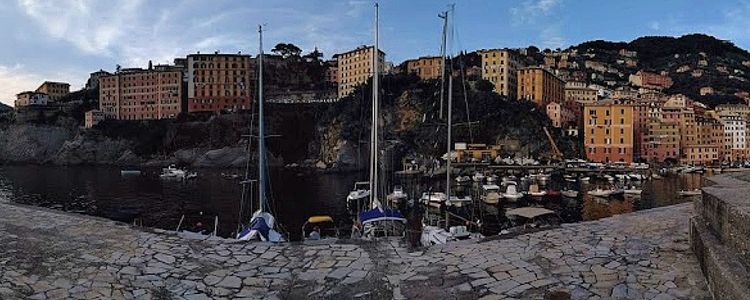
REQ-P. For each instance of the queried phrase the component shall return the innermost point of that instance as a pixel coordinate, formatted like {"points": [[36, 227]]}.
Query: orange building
{"points": [[709, 142], [332, 71], [220, 82], [500, 66], [560, 115], [55, 90], [608, 131], [650, 80], [355, 68], [428, 67], [140, 94], [540, 86], [661, 141]]}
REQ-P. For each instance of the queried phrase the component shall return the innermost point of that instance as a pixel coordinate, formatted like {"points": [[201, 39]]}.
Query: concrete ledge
{"points": [[725, 208], [727, 277]]}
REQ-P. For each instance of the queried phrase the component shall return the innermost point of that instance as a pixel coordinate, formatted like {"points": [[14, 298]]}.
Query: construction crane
{"points": [[556, 154]]}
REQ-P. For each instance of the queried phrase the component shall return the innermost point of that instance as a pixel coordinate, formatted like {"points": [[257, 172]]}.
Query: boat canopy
{"points": [[529, 212], [489, 187], [319, 219], [379, 214]]}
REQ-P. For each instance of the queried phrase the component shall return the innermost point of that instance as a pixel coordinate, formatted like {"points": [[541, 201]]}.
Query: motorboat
{"points": [[598, 192], [527, 219], [172, 172], [130, 172], [609, 177], [688, 193], [570, 193], [319, 228], [191, 175], [535, 192], [398, 195], [491, 179], [585, 179], [512, 194], [633, 191], [457, 201], [637, 177], [381, 221], [434, 199], [490, 194], [622, 177], [463, 179], [358, 196]]}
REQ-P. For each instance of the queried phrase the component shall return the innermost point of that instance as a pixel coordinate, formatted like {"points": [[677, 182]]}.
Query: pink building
{"points": [[560, 115]]}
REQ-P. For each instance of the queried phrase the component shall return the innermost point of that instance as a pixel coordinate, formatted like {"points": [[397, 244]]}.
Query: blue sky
{"points": [[64, 40]]}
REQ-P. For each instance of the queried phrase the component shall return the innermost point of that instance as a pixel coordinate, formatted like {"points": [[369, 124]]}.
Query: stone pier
{"points": [[46, 254]]}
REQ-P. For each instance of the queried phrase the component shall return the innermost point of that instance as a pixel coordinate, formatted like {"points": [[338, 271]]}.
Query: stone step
{"points": [[727, 276], [725, 209]]}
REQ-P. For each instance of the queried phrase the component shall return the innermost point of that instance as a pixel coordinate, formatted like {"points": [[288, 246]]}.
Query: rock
{"points": [[167, 259], [232, 282]]}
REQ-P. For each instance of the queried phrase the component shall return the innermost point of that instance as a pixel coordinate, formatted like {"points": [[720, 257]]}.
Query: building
{"points": [[661, 141], [141, 94], [500, 67], [540, 86], [650, 80], [560, 115], [93, 81], [427, 67], [355, 68], [608, 131], [93, 117], [332, 71], [54, 90], [31, 99], [707, 149], [576, 91], [220, 82], [735, 130], [706, 90], [737, 109]]}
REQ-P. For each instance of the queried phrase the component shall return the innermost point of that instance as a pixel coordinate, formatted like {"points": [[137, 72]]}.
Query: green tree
{"points": [[286, 50]]}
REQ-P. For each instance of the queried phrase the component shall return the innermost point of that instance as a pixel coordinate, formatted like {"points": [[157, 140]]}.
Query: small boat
{"points": [[687, 193], [381, 221], [570, 193], [512, 194], [434, 199], [319, 228], [456, 201], [633, 191], [433, 235], [490, 194], [230, 176], [491, 179], [358, 196], [191, 175], [172, 172], [585, 179], [609, 177], [463, 179], [637, 177], [622, 177], [527, 219], [535, 192], [598, 192], [398, 195], [478, 177]]}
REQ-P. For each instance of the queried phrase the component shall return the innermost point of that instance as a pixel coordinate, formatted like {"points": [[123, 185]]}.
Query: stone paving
{"points": [[46, 254]]}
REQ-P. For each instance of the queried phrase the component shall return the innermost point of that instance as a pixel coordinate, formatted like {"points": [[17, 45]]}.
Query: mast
{"points": [[261, 130], [443, 48], [375, 113]]}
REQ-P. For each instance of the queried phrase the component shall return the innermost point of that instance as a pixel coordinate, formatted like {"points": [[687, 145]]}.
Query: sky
{"points": [[65, 40]]}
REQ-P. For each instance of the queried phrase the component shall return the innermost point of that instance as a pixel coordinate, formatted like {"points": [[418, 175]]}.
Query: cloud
{"points": [[551, 37], [530, 10], [91, 26], [13, 80], [654, 25]]}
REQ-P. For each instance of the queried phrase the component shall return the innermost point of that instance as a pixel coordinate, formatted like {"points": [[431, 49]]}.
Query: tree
{"points": [[315, 55], [484, 86], [286, 50]]}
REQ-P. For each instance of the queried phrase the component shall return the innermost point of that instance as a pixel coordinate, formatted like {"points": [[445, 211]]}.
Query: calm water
{"points": [[102, 191]]}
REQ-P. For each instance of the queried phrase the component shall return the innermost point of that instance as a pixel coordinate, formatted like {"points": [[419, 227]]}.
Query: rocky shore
{"points": [[52, 255]]}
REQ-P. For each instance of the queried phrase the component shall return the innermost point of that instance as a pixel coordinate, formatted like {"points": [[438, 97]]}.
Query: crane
{"points": [[556, 154]]}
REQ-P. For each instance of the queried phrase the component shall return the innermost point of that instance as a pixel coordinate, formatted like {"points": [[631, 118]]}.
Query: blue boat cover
{"points": [[378, 214]]}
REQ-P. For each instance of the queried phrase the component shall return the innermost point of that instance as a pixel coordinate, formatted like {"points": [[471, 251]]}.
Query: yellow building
{"points": [[55, 90], [577, 91], [540, 86], [500, 67], [427, 68], [355, 68], [608, 131]]}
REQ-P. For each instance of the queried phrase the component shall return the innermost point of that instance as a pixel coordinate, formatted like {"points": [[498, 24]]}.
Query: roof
{"points": [[55, 82], [363, 47], [529, 212]]}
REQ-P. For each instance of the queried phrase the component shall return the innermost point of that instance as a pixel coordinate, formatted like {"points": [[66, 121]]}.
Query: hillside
{"points": [[692, 61]]}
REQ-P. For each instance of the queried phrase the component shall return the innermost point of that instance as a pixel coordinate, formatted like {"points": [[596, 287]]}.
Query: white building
{"points": [[31, 99], [735, 128]]}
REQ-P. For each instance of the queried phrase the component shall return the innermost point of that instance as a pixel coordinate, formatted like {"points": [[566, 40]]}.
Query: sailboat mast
{"points": [[450, 108], [375, 114], [261, 129], [443, 16]]}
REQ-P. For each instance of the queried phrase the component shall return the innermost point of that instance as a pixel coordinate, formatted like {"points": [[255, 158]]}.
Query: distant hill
{"points": [[692, 61], [4, 108]]}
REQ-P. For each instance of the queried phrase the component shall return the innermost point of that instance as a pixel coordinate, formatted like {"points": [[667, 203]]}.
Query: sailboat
{"points": [[376, 219], [433, 235], [262, 224]]}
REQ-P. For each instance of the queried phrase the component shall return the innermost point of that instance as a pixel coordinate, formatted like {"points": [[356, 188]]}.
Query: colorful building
{"points": [[650, 80], [735, 139], [355, 67], [661, 141], [427, 67], [540, 86], [93, 117], [500, 67], [55, 90], [608, 131], [560, 115], [220, 82], [707, 149], [141, 94]]}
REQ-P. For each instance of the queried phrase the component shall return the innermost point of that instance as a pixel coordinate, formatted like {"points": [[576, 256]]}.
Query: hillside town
{"points": [[618, 110]]}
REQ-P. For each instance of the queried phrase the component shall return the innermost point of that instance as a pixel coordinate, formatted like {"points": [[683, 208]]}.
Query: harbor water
{"points": [[149, 201]]}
